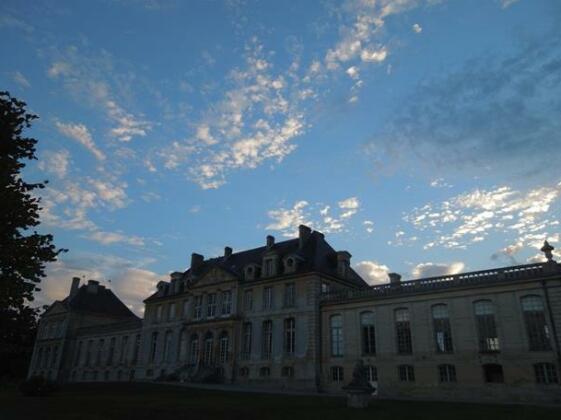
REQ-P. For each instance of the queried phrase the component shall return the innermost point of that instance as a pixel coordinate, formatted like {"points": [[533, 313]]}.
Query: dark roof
{"points": [[316, 255], [104, 301]]}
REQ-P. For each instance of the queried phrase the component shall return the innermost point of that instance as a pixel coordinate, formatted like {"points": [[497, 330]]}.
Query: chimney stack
{"points": [[343, 263], [196, 261], [395, 279], [270, 241], [304, 233], [93, 286], [74, 287], [227, 251]]}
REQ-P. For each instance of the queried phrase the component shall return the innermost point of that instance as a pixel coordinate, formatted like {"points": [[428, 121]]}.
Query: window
{"points": [[371, 373], [167, 346], [136, 349], [536, 325], [324, 287], [211, 305], [76, 357], [244, 372], [194, 349], [267, 340], [546, 373], [289, 265], [267, 298], [368, 333], [159, 313], [447, 373], [337, 374], [289, 295], [207, 349], [185, 308], [171, 311], [289, 336], [55, 356], [226, 302], [336, 329], [198, 307], [269, 267], [249, 272], [223, 347], [246, 341], [100, 346], [182, 353], [153, 346], [124, 348], [287, 371], [406, 373], [248, 300], [442, 330], [493, 373], [112, 343], [486, 327], [265, 372], [403, 331]]}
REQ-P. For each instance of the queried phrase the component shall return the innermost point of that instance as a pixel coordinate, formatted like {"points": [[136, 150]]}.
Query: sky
{"points": [[421, 136]]}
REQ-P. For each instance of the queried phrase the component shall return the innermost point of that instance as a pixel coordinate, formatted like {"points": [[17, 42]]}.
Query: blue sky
{"points": [[421, 136]]}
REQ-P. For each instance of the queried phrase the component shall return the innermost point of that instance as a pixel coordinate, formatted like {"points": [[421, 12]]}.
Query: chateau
{"points": [[295, 315]]}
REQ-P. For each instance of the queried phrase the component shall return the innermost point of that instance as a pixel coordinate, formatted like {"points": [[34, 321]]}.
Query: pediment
{"points": [[215, 275], [56, 308]]}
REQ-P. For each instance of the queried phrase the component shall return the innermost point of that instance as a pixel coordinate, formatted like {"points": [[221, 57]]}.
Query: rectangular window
{"points": [[536, 325], [269, 267], [406, 373], [124, 349], [246, 341], [186, 308], [223, 348], [153, 346], [442, 329], [289, 295], [336, 335], [371, 373], [136, 349], [337, 374], [287, 371], [447, 373], [55, 356], [403, 331], [368, 333], [159, 313], [248, 301], [267, 340], [267, 298], [171, 313], [198, 307], [211, 305], [289, 336], [111, 351], [493, 373], [100, 348], [486, 327], [226, 302], [546, 373]]}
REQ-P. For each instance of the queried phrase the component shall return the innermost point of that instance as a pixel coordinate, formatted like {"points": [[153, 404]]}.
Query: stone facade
{"points": [[294, 315]]}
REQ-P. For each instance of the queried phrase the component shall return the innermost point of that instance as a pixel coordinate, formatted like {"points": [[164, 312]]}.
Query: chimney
{"points": [[395, 279], [93, 286], [304, 233], [343, 263], [270, 241], [74, 287], [227, 251], [196, 261]]}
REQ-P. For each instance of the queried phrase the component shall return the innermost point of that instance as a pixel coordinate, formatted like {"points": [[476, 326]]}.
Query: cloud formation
{"points": [[373, 272], [430, 269], [81, 134]]}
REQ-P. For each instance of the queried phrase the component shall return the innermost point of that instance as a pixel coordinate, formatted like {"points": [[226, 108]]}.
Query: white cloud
{"points": [[374, 56], [112, 195], [55, 162], [288, 220], [417, 28], [430, 269], [128, 126], [109, 238], [507, 3], [81, 134], [440, 183], [373, 272], [20, 79], [369, 226]]}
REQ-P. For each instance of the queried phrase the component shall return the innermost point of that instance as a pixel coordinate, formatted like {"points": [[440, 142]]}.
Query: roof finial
{"points": [[547, 250]]}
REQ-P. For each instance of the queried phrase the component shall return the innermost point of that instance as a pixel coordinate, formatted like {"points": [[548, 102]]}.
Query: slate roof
{"points": [[103, 302], [316, 255]]}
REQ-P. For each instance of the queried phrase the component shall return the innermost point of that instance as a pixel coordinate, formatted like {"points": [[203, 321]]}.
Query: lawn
{"points": [[160, 402]]}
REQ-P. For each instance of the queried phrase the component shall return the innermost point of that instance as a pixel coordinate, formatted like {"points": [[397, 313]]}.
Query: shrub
{"points": [[37, 386]]}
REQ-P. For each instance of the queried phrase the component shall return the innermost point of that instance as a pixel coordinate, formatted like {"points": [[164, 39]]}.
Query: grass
{"points": [[160, 402]]}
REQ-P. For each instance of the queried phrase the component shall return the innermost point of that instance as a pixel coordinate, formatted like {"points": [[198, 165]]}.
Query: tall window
{"points": [[403, 331], [289, 295], [289, 336], [486, 327], [207, 349], [268, 298], [76, 358], [171, 313], [442, 330], [248, 301], [124, 348], [226, 302], [167, 346], [336, 330], [493, 373], [371, 373], [267, 340], [269, 268], [89, 349], [182, 353], [185, 308], [406, 373], [112, 343], [211, 305], [55, 356], [337, 374], [224, 347], [136, 350], [368, 333], [159, 313], [194, 349], [536, 325], [546, 373], [153, 346], [198, 307], [246, 341], [447, 373], [100, 348]]}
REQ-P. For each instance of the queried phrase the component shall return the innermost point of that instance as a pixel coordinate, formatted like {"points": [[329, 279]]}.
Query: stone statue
{"points": [[359, 390], [547, 250]]}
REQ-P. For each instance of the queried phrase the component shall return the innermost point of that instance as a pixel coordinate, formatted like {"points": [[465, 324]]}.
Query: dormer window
{"points": [[289, 265], [250, 272], [269, 267]]}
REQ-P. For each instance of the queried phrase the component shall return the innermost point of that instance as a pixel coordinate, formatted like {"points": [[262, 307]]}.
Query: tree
{"points": [[23, 253]]}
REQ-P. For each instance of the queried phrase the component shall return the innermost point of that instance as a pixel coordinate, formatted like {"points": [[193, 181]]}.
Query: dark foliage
{"points": [[23, 252]]}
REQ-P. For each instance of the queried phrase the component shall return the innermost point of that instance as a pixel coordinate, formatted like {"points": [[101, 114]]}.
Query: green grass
{"points": [[160, 402]]}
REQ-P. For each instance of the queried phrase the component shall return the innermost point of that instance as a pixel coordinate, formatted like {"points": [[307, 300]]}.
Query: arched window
{"points": [[442, 330], [194, 349], [536, 325], [486, 327], [182, 353], [207, 349], [224, 344], [336, 329], [368, 333], [403, 331]]}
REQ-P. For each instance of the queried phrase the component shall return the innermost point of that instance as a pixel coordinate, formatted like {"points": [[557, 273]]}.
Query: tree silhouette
{"points": [[23, 252]]}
